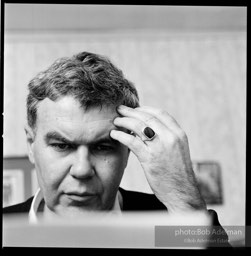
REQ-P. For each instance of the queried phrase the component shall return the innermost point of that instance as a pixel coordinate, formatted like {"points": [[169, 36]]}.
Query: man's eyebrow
{"points": [[56, 136], [106, 139]]}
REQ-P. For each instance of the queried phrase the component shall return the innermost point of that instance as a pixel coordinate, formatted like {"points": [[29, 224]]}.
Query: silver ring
{"points": [[148, 133]]}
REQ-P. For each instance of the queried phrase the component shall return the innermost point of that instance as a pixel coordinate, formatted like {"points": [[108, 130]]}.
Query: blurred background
{"points": [[188, 60]]}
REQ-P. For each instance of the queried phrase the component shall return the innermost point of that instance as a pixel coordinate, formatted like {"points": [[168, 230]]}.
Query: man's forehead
{"points": [[73, 122], [68, 109]]}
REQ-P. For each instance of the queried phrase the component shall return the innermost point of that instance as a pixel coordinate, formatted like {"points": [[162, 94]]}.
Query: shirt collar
{"points": [[38, 198]]}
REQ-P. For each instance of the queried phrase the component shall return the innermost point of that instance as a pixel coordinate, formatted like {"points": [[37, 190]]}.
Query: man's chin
{"points": [[72, 212]]}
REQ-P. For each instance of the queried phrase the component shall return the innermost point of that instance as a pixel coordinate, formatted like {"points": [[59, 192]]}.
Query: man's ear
{"points": [[30, 137]]}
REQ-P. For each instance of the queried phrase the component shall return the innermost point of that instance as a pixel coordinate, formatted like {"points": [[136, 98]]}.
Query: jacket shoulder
{"points": [[139, 201], [19, 208]]}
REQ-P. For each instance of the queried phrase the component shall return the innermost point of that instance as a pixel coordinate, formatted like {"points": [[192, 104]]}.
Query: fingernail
{"points": [[114, 120], [121, 107], [113, 132]]}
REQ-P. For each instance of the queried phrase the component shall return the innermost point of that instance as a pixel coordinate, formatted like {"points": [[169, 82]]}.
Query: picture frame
{"points": [[208, 175], [13, 187]]}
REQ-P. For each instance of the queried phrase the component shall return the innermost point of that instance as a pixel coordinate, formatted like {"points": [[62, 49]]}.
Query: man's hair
{"points": [[90, 78]]}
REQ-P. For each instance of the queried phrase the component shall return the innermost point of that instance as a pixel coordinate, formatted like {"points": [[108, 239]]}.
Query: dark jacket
{"points": [[132, 201]]}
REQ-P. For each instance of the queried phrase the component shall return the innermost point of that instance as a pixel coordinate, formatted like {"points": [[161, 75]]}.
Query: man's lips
{"points": [[80, 197]]}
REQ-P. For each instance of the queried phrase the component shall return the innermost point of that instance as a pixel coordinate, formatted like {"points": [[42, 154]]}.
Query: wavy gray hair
{"points": [[90, 78]]}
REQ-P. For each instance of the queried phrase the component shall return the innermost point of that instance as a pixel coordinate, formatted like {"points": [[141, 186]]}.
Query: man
{"points": [[84, 119]]}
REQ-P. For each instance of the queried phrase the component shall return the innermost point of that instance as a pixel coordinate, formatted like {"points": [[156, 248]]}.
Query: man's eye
{"points": [[61, 146], [104, 148]]}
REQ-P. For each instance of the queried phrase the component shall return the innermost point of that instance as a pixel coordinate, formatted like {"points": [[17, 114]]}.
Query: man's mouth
{"points": [[81, 197]]}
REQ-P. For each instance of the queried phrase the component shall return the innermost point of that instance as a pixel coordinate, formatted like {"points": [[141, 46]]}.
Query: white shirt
{"points": [[38, 197]]}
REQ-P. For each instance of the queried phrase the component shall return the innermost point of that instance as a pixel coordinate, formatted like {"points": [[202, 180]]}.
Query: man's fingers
{"points": [[137, 126], [163, 115], [135, 144], [152, 115], [146, 119]]}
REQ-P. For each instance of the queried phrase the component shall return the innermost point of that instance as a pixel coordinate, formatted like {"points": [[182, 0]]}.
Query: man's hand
{"points": [[165, 159]]}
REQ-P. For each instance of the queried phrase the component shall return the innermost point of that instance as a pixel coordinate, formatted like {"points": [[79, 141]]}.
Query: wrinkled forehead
{"points": [[67, 108], [67, 113]]}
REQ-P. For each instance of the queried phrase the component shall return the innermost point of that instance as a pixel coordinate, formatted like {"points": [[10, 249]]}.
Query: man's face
{"points": [[79, 167]]}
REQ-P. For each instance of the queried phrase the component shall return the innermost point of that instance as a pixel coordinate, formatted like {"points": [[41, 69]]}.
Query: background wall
{"points": [[190, 61]]}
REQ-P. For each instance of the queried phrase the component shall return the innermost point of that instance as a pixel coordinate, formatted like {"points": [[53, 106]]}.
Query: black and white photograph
{"points": [[124, 126]]}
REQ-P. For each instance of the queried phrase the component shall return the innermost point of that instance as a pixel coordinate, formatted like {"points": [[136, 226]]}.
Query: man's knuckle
{"points": [[161, 112], [182, 135], [132, 142], [173, 139], [140, 126]]}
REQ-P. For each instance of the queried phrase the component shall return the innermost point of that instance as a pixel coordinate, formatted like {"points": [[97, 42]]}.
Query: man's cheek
{"points": [[108, 167], [49, 172]]}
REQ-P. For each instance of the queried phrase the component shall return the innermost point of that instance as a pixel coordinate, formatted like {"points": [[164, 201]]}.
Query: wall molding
{"points": [[109, 17]]}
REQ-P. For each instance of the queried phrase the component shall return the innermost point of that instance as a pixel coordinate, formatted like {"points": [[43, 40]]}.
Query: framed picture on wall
{"points": [[21, 168], [208, 175], [13, 187]]}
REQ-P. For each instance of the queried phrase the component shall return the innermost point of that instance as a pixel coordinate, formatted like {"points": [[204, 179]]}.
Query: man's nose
{"points": [[82, 167]]}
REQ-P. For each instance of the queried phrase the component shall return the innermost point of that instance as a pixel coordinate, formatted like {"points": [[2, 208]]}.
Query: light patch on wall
{"points": [[13, 187], [208, 175]]}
